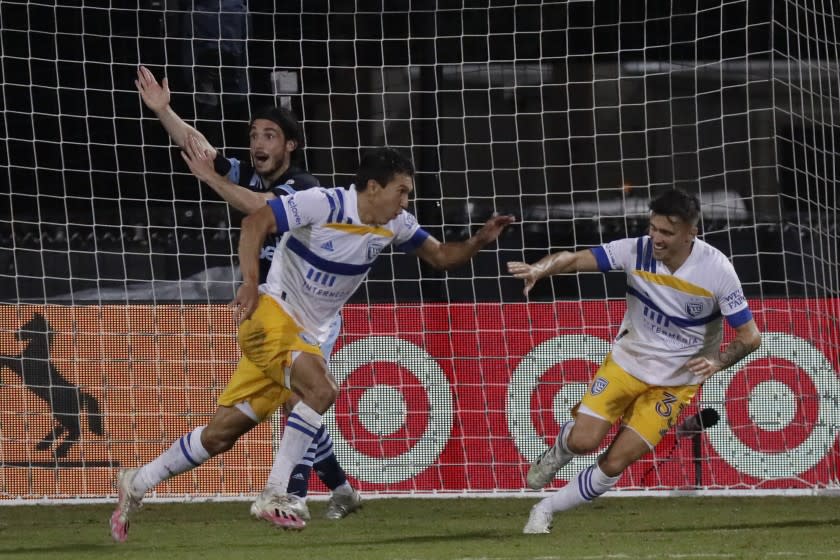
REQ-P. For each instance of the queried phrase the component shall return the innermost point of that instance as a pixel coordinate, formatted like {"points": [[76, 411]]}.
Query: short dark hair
{"points": [[677, 203], [381, 165], [284, 118]]}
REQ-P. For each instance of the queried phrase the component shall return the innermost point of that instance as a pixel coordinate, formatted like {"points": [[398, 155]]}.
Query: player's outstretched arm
{"points": [[446, 256], [554, 263], [747, 340], [255, 228], [201, 165], [156, 97]]}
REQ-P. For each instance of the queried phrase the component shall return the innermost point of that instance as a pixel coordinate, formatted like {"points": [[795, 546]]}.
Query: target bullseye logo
{"points": [[395, 444], [526, 382], [770, 428], [395, 413], [810, 426], [383, 409]]}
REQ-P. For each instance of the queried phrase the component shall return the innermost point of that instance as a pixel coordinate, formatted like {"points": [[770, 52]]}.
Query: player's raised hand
{"points": [[245, 302], [197, 146], [155, 95], [524, 271], [196, 158], [493, 227]]}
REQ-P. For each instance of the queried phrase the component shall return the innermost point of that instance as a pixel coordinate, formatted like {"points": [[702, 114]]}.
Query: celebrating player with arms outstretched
{"points": [[679, 289], [275, 138], [334, 237], [330, 239]]}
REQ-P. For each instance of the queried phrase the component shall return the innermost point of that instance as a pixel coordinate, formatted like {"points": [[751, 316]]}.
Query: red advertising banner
{"points": [[435, 398]]}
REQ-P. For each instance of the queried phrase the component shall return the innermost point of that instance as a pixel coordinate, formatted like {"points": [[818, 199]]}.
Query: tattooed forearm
{"points": [[733, 352]]}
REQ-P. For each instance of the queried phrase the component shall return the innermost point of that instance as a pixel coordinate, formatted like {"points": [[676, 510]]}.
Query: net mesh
{"points": [[115, 263]]}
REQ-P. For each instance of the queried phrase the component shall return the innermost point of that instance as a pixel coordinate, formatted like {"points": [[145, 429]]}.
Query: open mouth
{"points": [[260, 158]]}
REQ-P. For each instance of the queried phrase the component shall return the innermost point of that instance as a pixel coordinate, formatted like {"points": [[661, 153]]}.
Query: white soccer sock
{"points": [[301, 426], [563, 438], [184, 454], [585, 487]]}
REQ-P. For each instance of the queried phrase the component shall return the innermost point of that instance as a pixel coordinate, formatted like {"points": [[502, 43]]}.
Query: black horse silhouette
{"points": [[40, 376]]}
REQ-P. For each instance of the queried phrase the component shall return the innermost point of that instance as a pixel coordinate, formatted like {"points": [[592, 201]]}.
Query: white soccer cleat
{"points": [[127, 503], [343, 504], [281, 510], [296, 504], [539, 521], [544, 469]]}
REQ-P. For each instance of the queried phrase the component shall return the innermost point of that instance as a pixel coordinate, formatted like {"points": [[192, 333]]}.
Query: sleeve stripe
{"points": [[331, 217], [648, 260], [640, 249], [279, 215], [235, 171], [340, 217], [602, 258], [282, 190], [416, 240], [740, 318]]}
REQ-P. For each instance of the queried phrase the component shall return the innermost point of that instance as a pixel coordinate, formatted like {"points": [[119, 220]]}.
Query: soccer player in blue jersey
{"points": [[679, 290]]}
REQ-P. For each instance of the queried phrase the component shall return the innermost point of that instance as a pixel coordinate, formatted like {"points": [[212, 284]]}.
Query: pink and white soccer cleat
{"points": [[278, 509], [127, 503]]}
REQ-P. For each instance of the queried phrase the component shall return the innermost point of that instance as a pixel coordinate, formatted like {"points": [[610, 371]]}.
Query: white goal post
{"points": [[116, 264]]}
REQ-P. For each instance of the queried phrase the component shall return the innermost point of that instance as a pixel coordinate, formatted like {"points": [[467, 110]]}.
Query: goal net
{"points": [[116, 264]]}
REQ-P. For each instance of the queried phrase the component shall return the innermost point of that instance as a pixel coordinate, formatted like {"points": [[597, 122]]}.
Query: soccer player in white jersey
{"points": [[332, 238], [275, 138], [679, 290]]}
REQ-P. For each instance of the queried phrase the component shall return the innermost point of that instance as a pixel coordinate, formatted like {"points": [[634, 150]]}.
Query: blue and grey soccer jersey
{"points": [[672, 316], [243, 174]]}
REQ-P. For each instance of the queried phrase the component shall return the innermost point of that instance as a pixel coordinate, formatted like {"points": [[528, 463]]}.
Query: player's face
{"points": [[270, 151], [393, 197], [671, 239]]}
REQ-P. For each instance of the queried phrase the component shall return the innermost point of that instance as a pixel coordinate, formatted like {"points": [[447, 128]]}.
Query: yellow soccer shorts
{"points": [[269, 340], [649, 410]]}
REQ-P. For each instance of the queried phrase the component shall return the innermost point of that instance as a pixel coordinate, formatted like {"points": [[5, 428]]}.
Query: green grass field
{"points": [[488, 529]]}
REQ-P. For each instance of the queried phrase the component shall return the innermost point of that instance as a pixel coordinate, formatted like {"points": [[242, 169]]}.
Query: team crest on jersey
{"points": [[694, 308], [409, 220], [598, 386], [373, 250]]}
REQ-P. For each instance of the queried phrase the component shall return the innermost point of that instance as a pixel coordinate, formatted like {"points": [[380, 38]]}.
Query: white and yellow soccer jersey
{"points": [[672, 316], [327, 253]]}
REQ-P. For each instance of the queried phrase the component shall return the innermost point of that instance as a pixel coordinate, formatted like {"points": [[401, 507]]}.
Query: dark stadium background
{"points": [[77, 164]]}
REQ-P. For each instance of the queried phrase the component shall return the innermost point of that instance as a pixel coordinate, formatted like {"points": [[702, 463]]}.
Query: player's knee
{"points": [[581, 442], [217, 441], [290, 403], [322, 396], [612, 464]]}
